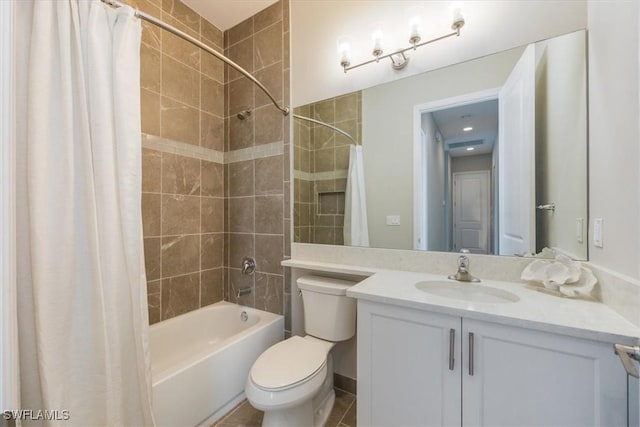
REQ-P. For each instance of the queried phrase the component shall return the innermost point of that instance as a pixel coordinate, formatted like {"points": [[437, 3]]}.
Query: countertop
{"points": [[535, 310]]}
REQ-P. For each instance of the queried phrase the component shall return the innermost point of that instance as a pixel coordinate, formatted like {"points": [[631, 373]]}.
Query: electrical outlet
{"points": [[393, 220]]}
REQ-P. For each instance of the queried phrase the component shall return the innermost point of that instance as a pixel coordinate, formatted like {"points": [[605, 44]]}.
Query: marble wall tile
{"points": [[269, 292], [239, 32], [241, 245], [241, 178], [181, 50], [180, 255], [211, 286], [269, 214], [271, 77], [151, 209], [151, 171], [212, 215], [268, 46], [180, 82], [212, 250], [152, 257], [269, 175], [182, 13], [269, 251], [268, 16], [149, 68], [212, 179], [180, 122], [211, 34], [180, 175], [212, 100], [211, 131], [180, 295], [153, 301], [241, 133], [241, 215], [150, 112], [180, 214], [268, 121], [242, 54]]}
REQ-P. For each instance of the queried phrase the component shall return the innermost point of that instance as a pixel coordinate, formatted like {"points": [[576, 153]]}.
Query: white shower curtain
{"points": [[356, 230], [81, 281]]}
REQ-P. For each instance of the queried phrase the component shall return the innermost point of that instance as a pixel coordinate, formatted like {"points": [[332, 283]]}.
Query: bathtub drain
{"points": [[244, 316]]}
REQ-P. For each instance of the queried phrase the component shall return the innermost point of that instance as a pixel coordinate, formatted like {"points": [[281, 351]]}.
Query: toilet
{"points": [[292, 381]]}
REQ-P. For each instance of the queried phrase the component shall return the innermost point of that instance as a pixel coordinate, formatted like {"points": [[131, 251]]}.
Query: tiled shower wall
{"points": [[321, 161], [183, 184], [257, 168], [215, 188]]}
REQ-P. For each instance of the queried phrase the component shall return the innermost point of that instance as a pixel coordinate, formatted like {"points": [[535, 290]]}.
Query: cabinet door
{"points": [[404, 376], [529, 378]]}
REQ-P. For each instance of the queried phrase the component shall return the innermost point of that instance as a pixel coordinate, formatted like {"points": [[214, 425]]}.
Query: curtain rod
{"points": [[152, 19], [340, 131]]}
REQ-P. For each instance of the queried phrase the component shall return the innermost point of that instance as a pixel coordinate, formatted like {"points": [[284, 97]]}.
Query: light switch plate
{"points": [[393, 220], [597, 232], [579, 227]]}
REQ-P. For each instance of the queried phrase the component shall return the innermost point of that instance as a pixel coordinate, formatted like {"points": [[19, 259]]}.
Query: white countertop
{"points": [[535, 309]]}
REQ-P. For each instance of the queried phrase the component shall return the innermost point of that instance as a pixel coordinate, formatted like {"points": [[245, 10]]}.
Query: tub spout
{"points": [[243, 291]]}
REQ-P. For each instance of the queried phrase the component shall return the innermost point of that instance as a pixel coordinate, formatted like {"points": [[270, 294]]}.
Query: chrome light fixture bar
{"points": [[398, 58]]}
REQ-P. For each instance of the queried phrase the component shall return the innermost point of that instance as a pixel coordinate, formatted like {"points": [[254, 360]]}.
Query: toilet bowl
{"points": [[292, 381]]}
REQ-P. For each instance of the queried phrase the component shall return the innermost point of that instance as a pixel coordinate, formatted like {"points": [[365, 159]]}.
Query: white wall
{"points": [[387, 129], [482, 162], [614, 134], [561, 149], [491, 26]]}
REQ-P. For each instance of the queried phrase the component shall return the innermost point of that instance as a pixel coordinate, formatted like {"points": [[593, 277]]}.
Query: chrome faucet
{"points": [[463, 275]]}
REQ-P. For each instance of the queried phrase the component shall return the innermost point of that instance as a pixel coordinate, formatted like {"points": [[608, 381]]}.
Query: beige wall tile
{"points": [[152, 257], [211, 286], [269, 175], [212, 215], [324, 111], [268, 125], [180, 295], [269, 292], [181, 50], [211, 131], [269, 214], [241, 214], [242, 54], [239, 32], [150, 214], [180, 175], [180, 122], [212, 247], [212, 179], [153, 301], [240, 132], [212, 97], [182, 13], [180, 82], [151, 164], [240, 96], [149, 68], [151, 33], [241, 182], [212, 67], [271, 78], [150, 112], [268, 46], [346, 107], [211, 33], [237, 281], [180, 255], [324, 160], [269, 253], [241, 245], [268, 16], [180, 215]]}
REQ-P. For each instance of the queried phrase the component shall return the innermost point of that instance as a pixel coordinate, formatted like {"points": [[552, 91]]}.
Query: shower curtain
{"points": [[81, 282], [356, 230]]}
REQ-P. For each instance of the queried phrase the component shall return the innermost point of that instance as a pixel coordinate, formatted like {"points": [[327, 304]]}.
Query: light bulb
{"points": [[458, 18], [415, 24], [344, 51], [377, 37]]}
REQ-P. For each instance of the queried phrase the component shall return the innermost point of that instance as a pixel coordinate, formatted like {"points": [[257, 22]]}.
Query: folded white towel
{"points": [[562, 275]]}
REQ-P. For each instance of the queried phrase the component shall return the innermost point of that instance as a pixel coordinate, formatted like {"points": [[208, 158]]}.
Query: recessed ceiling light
{"points": [[470, 148], [467, 129]]}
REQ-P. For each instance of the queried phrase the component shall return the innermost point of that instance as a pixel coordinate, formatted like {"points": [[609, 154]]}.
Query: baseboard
{"points": [[345, 383]]}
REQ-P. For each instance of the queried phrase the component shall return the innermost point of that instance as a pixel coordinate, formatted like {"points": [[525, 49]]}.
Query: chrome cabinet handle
{"points": [[627, 355], [471, 353], [549, 207], [452, 339]]}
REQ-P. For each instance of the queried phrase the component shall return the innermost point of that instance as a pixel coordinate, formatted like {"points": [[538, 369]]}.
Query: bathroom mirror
{"points": [[488, 155]]}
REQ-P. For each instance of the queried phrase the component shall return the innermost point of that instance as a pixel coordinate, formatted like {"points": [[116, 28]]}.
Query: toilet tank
{"points": [[329, 314]]}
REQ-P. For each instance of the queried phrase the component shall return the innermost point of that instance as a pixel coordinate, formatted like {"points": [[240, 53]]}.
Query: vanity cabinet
{"points": [[419, 368]]}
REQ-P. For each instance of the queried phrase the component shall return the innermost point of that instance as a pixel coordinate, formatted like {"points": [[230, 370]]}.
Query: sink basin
{"points": [[471, 292]]}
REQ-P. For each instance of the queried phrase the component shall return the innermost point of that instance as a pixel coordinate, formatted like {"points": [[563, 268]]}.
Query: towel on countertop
{"points": [[562, 275]]}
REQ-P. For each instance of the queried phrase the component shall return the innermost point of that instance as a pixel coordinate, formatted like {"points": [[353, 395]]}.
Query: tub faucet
{"points": [[463, 275]]}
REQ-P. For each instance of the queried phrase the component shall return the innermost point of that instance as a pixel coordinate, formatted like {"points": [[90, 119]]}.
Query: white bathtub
{"points": [[200, 361]]}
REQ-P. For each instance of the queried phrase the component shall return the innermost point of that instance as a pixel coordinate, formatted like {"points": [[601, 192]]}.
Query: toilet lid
{"points": [[287, 363]]}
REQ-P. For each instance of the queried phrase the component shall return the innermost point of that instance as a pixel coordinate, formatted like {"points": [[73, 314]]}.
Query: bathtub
{"points": [[200, 361]]}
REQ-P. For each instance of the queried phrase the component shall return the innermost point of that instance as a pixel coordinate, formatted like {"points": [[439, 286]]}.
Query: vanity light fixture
{"points": [[398, 58]]}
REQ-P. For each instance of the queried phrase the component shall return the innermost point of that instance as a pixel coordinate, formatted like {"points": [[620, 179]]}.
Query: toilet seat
{"points": [[288, 364]]}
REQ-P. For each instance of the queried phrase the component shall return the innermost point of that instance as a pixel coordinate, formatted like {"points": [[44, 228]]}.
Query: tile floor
{"points": [[343, 413]]}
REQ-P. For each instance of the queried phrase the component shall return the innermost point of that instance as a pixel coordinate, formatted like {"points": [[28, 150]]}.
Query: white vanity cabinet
{"points": [[500, 375]]}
